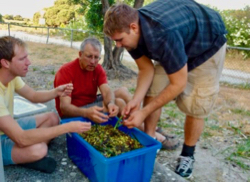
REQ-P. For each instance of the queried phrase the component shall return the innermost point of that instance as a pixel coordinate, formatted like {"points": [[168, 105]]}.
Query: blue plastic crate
{"points": [[133, 166]]}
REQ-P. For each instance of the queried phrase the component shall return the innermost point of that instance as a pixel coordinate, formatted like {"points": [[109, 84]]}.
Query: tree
{"points": [[36, 17], [18, 17], [112, 59], [8, 17], [1, 18], [60, 14]]}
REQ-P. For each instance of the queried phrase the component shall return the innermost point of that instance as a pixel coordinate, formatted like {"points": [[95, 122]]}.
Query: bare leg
{"points": [[121, 104], [29, 154], [46, 120], [193, 129], [37, 151], [151, 121], [123, 93]]}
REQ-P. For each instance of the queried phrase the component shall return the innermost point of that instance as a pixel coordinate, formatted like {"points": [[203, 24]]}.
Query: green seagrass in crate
{"points": [[110, 141], [119, 165]]}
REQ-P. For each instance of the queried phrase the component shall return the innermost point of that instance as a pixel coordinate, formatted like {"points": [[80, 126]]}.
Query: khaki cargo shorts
{"points": [[198, 98]]}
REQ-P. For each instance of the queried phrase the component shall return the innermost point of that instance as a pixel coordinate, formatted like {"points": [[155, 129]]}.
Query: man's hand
{"points": [[113, 109], [96, 114], [135, 119], [131, 107], [79, 127], [64, 90]]}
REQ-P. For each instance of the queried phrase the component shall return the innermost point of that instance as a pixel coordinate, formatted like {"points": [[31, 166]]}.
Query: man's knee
{"points": [[38, 151], [120, 103], [122, 92], [53, 119]]}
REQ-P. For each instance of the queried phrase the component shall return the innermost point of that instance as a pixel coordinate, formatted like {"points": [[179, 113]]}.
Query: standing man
{"points": [[24, 141], [187, 41], [87, 76]]}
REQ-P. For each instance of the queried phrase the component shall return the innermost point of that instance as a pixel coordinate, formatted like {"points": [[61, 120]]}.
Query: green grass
{"points": [[52, 72], [236, 130], [244, 86], [206, 134], [132, 90], [214, 127], [241, 112], [35, 68], [175, 129], [172, 111], [241, 155]]}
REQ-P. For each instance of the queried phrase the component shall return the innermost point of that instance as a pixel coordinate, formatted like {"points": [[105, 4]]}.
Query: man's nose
{"points": [[92, 60], [28, 62]]}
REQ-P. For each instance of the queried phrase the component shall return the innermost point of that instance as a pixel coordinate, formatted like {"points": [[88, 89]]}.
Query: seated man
{"points": [[25, 141], [87, 76]]}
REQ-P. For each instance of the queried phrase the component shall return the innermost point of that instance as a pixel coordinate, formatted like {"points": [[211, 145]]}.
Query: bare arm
{"points": [[145, 77], [107, 94], [178, 81], [44, 96], [93, 113], [25, 138], [109, 100], [69, 109]]}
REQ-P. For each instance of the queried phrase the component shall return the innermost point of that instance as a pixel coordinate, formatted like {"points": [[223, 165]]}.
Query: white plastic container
{"points": [[23, 107]]}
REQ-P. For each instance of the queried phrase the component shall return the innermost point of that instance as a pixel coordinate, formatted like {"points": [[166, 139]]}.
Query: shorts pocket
{"points": [[204, 101], [200, 103]]}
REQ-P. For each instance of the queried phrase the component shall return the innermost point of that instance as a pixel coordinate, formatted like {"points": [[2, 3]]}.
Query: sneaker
{"points": [[185, 166], [46, 165]]}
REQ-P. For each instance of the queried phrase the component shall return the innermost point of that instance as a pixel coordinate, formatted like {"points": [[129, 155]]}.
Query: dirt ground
{"points": [[211, 150]]}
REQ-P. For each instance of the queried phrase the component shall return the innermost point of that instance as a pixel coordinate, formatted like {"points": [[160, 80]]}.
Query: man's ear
{"points": [[134, 27], [5, 63], [80, 53]]}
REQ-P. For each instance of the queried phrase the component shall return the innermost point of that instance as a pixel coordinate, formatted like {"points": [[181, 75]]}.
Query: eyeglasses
{"points": [[91, 57]]}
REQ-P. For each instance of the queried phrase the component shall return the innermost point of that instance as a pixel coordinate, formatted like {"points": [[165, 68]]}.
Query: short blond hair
{"points": [[118, 18]]}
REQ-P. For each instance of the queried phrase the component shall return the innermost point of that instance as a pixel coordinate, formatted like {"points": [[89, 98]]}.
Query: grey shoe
{"points": [[185, 166]]}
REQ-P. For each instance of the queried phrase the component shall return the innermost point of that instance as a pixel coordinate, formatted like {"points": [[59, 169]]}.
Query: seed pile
{"points": [[110, 141]]}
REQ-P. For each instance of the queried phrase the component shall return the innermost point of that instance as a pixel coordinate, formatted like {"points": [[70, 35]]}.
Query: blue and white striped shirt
{"points": [[176, 32]]}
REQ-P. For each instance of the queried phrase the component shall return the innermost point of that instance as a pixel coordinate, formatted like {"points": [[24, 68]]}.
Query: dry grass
{"points": [[47, 54]]}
